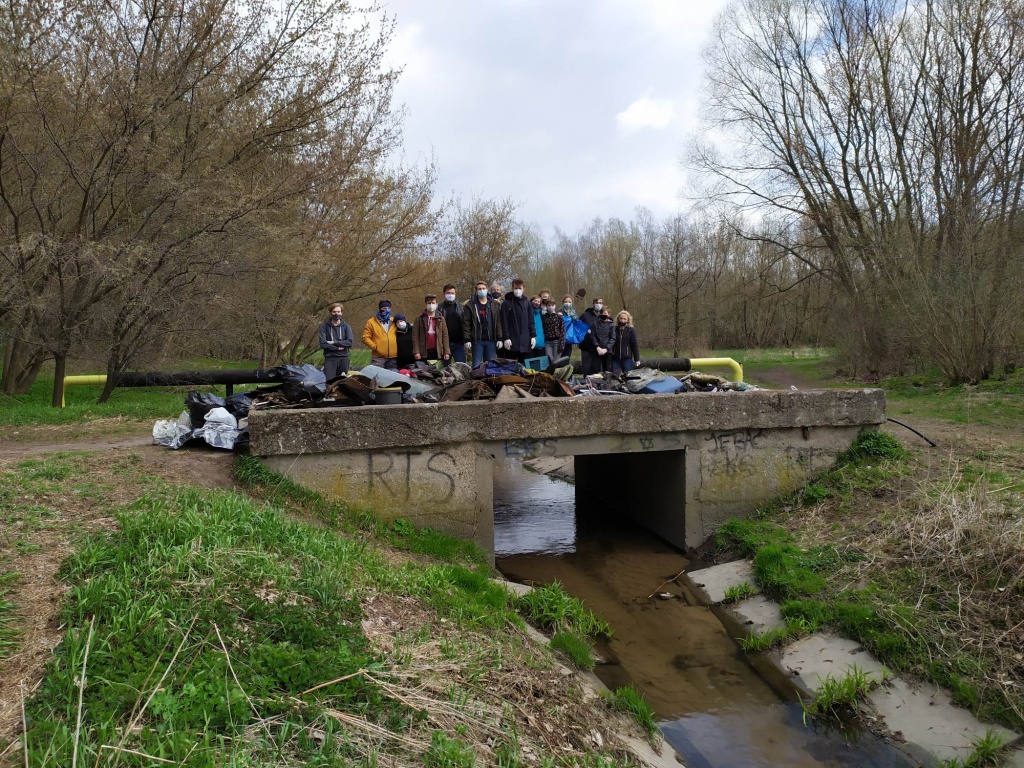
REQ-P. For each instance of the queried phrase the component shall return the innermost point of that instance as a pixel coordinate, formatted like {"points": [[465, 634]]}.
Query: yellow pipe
{"points": [[71, 381], [719, 362]]}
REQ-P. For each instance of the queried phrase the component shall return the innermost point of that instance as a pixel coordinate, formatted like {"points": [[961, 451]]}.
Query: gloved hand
{"points": [[533, 343], [602, 351], [508, 344], [636, 363], [468, 345]]}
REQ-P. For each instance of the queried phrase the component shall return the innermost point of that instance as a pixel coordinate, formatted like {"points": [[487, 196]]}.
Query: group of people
{"points": [[489, 325]]}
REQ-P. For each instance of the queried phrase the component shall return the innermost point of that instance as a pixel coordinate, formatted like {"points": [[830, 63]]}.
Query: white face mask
{"points": [[431, 307], [598, 307], [402, 325], [518, 293], [449, 297]]}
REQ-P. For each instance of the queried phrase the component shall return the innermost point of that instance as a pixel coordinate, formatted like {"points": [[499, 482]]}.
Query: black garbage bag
{"points": [[238, 404], [201, 403], [301, 382]]}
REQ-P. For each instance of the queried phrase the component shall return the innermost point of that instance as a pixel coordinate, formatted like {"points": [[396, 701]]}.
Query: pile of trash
{"points": [[223, 422]]}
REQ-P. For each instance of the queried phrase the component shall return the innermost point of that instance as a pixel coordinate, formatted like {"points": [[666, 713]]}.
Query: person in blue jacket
{"points": [[336, 340], [537, 306]]}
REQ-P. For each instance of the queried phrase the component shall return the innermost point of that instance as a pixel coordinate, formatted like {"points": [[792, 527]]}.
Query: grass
{"points": [[550, 607], [995, 401], [576, 648], [759, 643], [8, 634], [987, 752], [738, 592], [214, 628], [629, 700], [838, 697]]}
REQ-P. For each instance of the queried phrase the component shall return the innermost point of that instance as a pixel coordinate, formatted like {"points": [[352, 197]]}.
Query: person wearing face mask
{"points": [[554, 332], [537, 306], [481, 324], [604, 335], [568, 314], [379, 337], [430, 335], [336, 340], [497, 292], [517, 323], [624, 354], [588, 348], [403, 337], [452, 312]]}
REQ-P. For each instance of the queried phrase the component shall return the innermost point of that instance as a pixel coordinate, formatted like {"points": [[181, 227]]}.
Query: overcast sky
{"points": [[574, 108]]}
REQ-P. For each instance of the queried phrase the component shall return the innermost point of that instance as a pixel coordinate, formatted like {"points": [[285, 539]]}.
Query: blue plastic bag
{"points": [[575, 331]]}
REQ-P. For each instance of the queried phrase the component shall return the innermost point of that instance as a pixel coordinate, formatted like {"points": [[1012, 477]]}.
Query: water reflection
{"points": [[717, 712]]}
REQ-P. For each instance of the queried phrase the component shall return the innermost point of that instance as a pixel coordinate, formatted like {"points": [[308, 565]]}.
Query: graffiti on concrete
{"points": [[734, 449], [530, 449], [394, 472]]}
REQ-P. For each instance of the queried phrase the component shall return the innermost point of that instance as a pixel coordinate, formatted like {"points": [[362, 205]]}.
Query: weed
{"points": [[746, 536], [814, 493], [446, 752], [986, 752], [873, 444], [738, 592], [551, 607], [782, 573], [575, 647], [629, 700], [838, 697], [763, 642]]}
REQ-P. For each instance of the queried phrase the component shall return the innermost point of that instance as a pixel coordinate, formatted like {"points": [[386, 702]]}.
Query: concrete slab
{"points": [[710, 583], [560, 467], [1015, 759], [757, 615], [925, 716], [811, 659], [514, 587]]}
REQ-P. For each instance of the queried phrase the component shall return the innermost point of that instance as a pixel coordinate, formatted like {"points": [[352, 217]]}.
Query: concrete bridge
{"points": [[678, 464]]}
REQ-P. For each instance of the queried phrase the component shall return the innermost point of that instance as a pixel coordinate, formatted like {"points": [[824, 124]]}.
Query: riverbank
{"points": [[225, 617]]}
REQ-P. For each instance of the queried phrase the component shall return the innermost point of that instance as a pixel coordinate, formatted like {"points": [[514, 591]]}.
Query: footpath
{"points": [[919, 718]]}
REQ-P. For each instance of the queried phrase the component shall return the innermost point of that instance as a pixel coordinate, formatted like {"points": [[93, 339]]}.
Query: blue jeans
{"points": [[484, 350], [458, 350], [622, 366]]}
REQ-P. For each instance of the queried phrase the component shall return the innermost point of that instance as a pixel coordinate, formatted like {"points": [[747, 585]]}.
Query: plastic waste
{"points": [[173, 433], [238, 404], [220, 430], [200, 403], [301, 382], [385, 378]]}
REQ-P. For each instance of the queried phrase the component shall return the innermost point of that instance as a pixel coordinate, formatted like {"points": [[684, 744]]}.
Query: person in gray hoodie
{"points": [[336, 340]]}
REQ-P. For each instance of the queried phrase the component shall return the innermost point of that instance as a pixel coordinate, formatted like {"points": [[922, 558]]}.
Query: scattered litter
{"points": [[223, 423]]}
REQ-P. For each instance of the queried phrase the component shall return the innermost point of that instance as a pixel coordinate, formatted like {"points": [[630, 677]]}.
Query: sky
{"points": [[575, 109]]}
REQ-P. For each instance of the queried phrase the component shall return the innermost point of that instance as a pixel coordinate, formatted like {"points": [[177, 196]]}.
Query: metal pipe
{"points": [[174, 379], [683, 364]]}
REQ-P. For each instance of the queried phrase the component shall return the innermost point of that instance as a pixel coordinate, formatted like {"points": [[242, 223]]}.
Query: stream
{"points": [[712, 706]]}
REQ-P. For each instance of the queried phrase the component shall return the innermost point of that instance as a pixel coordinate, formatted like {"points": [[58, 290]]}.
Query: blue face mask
{"points": [[481, 294], [385, 314]]}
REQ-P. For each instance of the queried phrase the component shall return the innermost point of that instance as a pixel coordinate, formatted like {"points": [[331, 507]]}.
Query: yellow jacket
{"points": [[381, 343]]}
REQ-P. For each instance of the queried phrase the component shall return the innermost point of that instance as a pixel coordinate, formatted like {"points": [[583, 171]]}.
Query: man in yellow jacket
{"points": [[379, 336]]}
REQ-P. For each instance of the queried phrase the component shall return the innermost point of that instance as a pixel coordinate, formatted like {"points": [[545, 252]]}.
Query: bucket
{"points": [[388, 396]]}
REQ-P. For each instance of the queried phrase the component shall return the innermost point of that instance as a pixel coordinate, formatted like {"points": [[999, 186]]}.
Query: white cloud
{"points": [[646, 112]]}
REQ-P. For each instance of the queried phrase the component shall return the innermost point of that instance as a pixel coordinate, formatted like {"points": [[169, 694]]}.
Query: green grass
{"points": [[838, 697], [987, 751], [575, 647], [738, 592], [629, 700], [551, 607], [759, 643]]}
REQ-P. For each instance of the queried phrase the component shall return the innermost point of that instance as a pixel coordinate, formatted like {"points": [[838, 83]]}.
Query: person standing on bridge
{"points": [[517, 323], [624, 353], [481, 325], [554, 331], [430, 335], [588, 347], [379, 337], [604, 335], [403, 335], [336, 340], [452, 310]]}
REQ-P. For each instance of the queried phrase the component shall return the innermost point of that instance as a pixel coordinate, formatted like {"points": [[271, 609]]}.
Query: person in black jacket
{"points": [[588, 347], [336, 340], [517, 323], [403, 334], [604, 335], [554, 331], [625, 349], [452, 311], [481, 325]]}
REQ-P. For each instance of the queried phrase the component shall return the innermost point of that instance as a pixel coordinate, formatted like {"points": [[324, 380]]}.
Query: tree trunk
{"points": [[21, 367], [60, 364]]}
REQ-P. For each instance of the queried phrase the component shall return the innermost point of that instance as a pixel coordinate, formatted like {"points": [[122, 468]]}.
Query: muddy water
{"points": [[713, 707]]}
